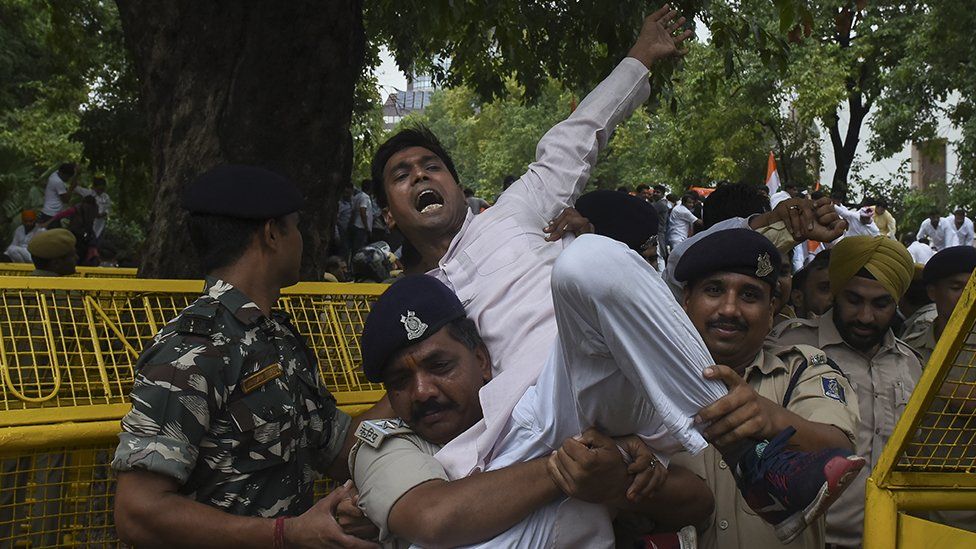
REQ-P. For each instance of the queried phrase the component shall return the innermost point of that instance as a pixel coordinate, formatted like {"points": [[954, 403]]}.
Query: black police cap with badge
{"points": [[742, 251], [949, 261], [619, 216], [244, 192], [412, 309]]}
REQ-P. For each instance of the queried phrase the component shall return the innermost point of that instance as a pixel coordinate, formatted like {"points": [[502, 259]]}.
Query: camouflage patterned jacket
{"points": [[229, 402]]}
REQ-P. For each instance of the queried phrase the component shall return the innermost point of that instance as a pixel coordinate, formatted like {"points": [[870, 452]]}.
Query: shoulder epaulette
{"points": [[198, 319], [792, 323], [374, 431]]}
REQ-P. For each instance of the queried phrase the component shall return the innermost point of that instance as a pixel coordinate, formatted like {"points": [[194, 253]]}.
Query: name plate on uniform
{"points": [[261, 377]]}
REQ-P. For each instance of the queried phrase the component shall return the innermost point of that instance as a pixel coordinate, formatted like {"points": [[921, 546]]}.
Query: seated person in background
{"points": [[730, 283], [600, 374], [17, 252]]}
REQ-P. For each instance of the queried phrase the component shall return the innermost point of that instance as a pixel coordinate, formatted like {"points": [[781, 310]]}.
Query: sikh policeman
{"points": [[868, 275], [730, 278], [231, 423], [945, 277]]}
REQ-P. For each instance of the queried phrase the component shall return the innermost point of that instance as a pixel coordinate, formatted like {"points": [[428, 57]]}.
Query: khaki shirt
{"points": [[883, 383], [921, 337], [822, 394], [387, 461]]}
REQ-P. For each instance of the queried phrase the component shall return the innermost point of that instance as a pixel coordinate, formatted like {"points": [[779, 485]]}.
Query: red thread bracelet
{"points": [[279, 533]]}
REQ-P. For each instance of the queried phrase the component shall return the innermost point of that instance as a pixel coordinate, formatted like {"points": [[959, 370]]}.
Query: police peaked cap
{"points": [[619, 216], [412, 309], [949, 261], [742, 251], [244, 192]]}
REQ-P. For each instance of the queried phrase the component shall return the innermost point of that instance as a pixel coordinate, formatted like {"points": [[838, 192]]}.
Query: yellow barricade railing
{"points": [[68, 347], [24, 269], [929, 464]]}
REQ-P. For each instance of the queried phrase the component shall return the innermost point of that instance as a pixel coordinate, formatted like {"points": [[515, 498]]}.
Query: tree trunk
{"points": [[263, 83], [845, 150]]}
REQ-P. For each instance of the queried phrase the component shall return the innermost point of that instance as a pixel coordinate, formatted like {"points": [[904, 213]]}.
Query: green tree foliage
{"points": [[715, 128]]}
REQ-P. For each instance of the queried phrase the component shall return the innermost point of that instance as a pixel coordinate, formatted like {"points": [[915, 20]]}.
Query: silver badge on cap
{"points": [[414, 326], [763, 265]]}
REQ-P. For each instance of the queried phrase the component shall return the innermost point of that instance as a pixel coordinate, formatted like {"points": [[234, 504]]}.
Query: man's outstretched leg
{"points": [[630, 360]]}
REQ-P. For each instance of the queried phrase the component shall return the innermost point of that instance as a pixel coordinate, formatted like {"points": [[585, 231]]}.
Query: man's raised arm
{"points": [[567, 153]]}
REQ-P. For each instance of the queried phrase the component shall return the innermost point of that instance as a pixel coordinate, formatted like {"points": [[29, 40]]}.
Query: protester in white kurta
{"points": [[921, 253], [17, 250], [939, 231], [499, 264], [859, 222], [964, 229]]}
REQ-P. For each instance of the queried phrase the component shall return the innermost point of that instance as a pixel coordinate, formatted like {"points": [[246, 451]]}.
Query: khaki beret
{"points": [[52, 243]]}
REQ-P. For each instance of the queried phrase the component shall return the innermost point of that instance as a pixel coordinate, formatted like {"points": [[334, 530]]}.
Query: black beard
{"points": [[858, 342]]}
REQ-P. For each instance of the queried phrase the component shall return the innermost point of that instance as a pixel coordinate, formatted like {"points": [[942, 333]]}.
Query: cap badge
{"points": [[763, 265], [414, 326]]}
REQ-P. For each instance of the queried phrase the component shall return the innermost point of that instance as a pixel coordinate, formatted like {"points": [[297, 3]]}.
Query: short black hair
{"points": [[333, 262], [733, 200], [220, 241], [67, 169], [934, 213], [820, 262], [661, 189], [507, 182], [417, 136], [464, 331], [366, 185], [623, 189], [468, 192], [641, 188], [878, 201], [816, 195]]}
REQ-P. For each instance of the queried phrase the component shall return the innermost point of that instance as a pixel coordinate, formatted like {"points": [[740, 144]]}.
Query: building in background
{"points": [[416, 97], [928, 163]]}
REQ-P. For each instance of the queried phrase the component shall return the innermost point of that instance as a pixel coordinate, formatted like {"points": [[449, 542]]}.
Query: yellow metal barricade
{"points": [[68, 347], [24, 269], [929, 464]]}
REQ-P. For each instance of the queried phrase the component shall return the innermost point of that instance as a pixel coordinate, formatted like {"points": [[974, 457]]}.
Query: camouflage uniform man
{"points": [[230, 419]]}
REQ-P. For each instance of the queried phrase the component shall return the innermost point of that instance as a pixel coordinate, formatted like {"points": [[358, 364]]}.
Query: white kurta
{"points": [[499, 264], [939, 237]]}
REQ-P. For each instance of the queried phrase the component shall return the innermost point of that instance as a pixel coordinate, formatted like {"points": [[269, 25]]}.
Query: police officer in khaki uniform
{"points": [[53, 252], [868, 275], [231, 423], [729, 282], [945, 277]]}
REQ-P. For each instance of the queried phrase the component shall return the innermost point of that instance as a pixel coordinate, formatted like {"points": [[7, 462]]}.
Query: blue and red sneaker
{"points": [[790, 489]]}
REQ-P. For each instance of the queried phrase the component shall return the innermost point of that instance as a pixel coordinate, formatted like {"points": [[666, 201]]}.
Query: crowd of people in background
{"points": [[81, 211]]}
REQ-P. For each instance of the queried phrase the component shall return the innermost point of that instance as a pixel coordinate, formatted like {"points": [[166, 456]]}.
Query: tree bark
{"points": [[263, 83]]}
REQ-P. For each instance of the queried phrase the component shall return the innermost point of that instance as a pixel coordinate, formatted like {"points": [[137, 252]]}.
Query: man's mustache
{"points": [[417, 411], [728, 324]]}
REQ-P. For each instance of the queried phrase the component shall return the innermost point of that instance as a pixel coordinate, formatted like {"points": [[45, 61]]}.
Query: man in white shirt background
{"points": [[919, 249], [860, 222], [58, 190], [682, 221], [789, 190], [938, 231], [362, 216], [963, 227]]}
